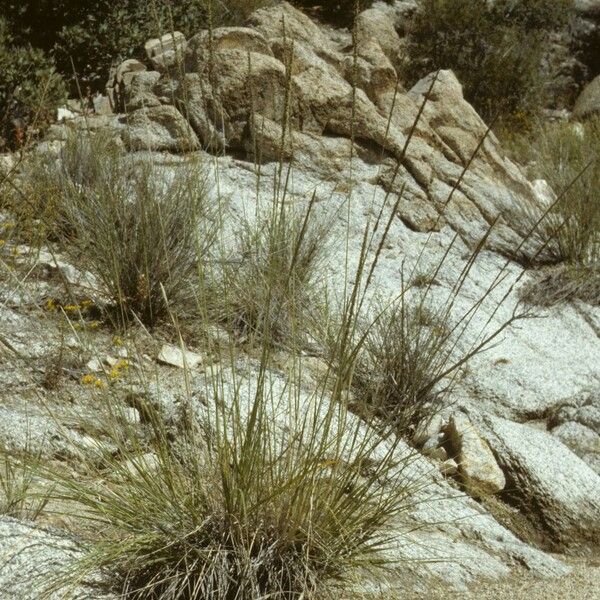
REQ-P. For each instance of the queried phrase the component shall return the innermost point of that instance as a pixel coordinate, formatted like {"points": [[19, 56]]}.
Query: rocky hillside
{"points": [[508, 464]]}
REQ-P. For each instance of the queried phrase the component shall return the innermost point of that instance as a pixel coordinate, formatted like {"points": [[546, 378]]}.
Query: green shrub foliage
{"points": [[30, 90], [494, 48], [95, 34], [336, 12]]}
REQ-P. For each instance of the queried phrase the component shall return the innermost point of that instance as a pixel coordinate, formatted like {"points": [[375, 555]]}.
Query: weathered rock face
{"points": [[31, 556], [119, 81], [576, 423], [283, 87], [554, 488], [478, 469], [167, 51], [159, 128], [588, 103]]}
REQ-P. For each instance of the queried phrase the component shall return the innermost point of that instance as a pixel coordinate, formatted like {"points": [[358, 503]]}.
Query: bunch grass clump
{"points": [[257, 491], [260, 492], [19, 497], [405, 353], [273, 290], [415, 349], [142, 230], [565, 155]]}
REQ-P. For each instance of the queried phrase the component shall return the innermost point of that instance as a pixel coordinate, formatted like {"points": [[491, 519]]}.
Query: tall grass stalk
{"points": [[136, 227], [18, 495], [567, 230]]}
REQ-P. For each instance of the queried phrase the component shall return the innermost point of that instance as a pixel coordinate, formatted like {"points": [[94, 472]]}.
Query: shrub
{"points": [[30, 91], [337, 12], [495, 49], [138, 228], [533, 15], [563, 283], [96, 35]]}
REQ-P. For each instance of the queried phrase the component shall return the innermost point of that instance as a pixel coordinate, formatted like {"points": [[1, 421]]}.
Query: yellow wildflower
{"points": [[50, 305], [120, 366], [90, 379], [71, 308]]}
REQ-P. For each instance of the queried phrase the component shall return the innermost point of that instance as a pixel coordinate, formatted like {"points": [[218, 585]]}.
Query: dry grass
{"points": [[272, 291], [18, 497], [563, 284], [140, 229], [259, 493], [568, 236]]}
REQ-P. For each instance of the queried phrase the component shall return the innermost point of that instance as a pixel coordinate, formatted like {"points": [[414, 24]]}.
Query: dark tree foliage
{"points": [[495, 49], [30, 90], [87, 36], [336, 12]]}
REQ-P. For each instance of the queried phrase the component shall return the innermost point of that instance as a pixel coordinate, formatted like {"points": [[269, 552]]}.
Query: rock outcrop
{"points": [[478, 469], [283, 88], [554, 488], [31, 558], [588, 103]]}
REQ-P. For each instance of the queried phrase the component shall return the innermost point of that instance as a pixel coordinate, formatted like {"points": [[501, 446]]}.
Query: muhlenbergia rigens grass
{"points": [[139, 229], [254, 488], [272, 287], [568, 232], [19, 497], [260, 491]]}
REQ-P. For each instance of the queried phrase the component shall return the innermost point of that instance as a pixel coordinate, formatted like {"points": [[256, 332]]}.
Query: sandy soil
{"points": [[582, 584]]}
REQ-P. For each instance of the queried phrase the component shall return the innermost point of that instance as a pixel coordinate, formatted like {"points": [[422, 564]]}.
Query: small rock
{"points": [[159, 128], [166, 51], [110, 361], [93, 366], [122, 352], [125, 70], [427, 429], [102, 105], [434, 449], [578, 437], [63, 114], [557, 491], [141, 464], [478, 469], [449, 467], [130, 415], [175, 357]]}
